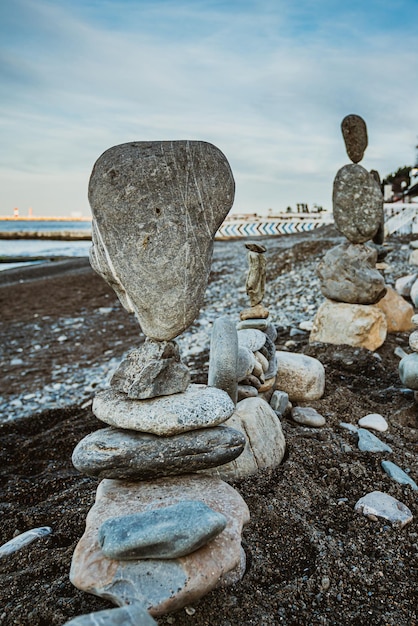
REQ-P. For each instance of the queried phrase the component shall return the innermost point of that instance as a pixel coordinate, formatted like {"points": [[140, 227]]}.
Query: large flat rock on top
{"points": [[156, 207]]}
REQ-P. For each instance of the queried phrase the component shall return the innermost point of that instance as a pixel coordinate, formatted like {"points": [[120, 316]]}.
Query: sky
{"points": [[267, 81]]}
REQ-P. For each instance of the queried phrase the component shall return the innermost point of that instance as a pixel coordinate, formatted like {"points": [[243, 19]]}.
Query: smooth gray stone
{"points": [[348, 273], [258, 323], [253, 381], [130, 615], [367, 442], [245, 363], [268, 349], [272, 369], [357, 203], [154, 369], [251, 338], [395, 472], [307, 416], [166, 533], [246, 391], [408, 371], [197, 407], [383, 505], [271, 332], [351, 427], [279, 402], [354, 131], [156, 208], [117, 453], [223, 358]]}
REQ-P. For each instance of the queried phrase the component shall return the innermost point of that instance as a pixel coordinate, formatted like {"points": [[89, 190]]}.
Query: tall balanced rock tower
{"points": [[348, 275], [160, 535]]}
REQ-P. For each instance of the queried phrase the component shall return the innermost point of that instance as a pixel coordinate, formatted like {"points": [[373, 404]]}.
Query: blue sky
{"points": [[267, 81]]}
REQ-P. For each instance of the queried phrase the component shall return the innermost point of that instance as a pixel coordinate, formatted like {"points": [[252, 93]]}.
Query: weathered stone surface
{"points": [[404, 283], [245, 363], [354, 131], [302, 377], [279, 402], [131, 615], [160, 586], [355, 325], [257, 312], [259, 323], [383, 505], [413, 341], [374, 421], [251, 338], [256, 278], [117, 453], [265, 440], [397, 310], [367, 442], [408, 371], [198, 407], [154, 369], [262, 360], [164, 533], [413, 294], [253, 381], [268, 349], [357, 203], [223, 359], [246, 391], [156, 208], [271, 333], [307, 416], [348, 273], [401, 477]]}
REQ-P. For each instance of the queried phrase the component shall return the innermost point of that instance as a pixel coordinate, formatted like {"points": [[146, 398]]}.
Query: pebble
{"points": [[164, 533], [367, 442], [259, 324], [128, 615], [302, 377], [117, 453], [381, 504], [413, 341], [279, 401], [395, 472], [24, 539], [408, 371], [246, 391], [375, 421], [308, 417], [403, 285], [251, 338], [245, 363], [198, 407], [306, 325], [224, 357]]}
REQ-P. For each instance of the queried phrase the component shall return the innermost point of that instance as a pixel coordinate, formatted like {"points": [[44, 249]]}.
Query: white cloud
{"points": [[263, 87]]}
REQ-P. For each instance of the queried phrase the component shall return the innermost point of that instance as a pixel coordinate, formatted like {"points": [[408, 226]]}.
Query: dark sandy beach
{"points": [[311, 558]]}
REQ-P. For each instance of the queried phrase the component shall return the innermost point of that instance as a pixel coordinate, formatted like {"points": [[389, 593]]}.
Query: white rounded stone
{"points": [[374, 421], [302, 377], [413, 341]]}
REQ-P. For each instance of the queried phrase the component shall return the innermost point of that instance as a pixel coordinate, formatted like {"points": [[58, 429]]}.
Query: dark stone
{"points": [[118, 453], [354, 131]]}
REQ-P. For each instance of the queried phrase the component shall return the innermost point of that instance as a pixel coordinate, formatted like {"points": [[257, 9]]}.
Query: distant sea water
{"points": [[41, 247]]}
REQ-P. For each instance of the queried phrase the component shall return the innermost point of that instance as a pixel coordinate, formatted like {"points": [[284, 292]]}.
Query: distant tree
{"points": [[289, 209], [402, 175]]}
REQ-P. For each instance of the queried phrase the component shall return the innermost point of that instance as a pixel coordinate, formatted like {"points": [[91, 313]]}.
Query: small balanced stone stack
{"points": [[162, 532], [356, 310], [257, 363]]}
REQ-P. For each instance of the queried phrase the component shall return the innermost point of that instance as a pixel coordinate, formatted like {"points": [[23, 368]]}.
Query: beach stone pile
{"points": [[359, 309], [162, 532]]}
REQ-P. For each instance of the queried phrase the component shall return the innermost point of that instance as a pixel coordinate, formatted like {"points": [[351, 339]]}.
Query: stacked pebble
{"points": [[408, 366], [348, 275], [160, 535]]}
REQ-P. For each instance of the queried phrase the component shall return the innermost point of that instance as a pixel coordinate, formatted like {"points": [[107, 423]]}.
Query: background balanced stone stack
{"points": [[160, 534], [357, 311]]}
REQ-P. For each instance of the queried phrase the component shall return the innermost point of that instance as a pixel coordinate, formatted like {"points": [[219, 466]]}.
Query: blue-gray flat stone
{"points": [[131, 615], [156, 208], [395, 472], [117, 453], [224, 357], [166, 533], [367, 442], [251, 338]]}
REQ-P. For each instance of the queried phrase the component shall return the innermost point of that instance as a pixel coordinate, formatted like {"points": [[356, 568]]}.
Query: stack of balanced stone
{"points": [[360, 309], [163, 531]]}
